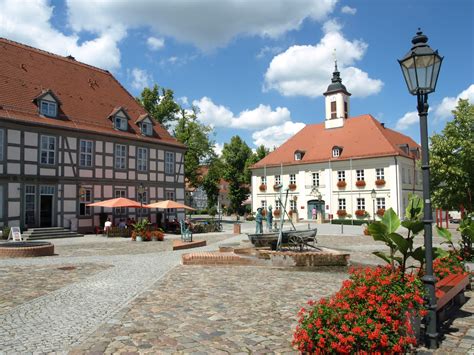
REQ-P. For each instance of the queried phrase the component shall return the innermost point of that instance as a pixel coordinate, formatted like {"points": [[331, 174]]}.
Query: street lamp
{"points": [[420, 68], [141, 190], [373, 194]]}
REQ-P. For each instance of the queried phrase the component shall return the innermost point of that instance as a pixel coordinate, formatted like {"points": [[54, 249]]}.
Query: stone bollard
{"points": [[237, 227]]}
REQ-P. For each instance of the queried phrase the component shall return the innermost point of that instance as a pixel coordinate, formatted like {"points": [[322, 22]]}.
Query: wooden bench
{"points": [[450, 290], [117, 232]]}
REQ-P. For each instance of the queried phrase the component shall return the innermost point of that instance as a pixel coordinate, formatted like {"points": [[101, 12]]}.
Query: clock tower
{"points": [[337, 102]]}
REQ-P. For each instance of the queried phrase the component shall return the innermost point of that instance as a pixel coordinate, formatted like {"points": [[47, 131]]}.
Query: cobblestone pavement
{"points": [[21, 284], [146, 302], [202, 309]]}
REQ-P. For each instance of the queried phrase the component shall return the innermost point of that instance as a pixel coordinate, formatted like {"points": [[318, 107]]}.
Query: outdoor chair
{"points": [[186, 234]]}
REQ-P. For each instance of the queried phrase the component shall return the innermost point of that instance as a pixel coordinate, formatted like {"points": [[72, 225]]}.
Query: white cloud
{"points": [[306, 69], [276, 135], [220, 116], [183, 100], [206, 23], [140, 78], [268, 50], [218, 148], [155, 43], [448, 104], [441, 111], [348, 10], [408, 119], [16, 24]]}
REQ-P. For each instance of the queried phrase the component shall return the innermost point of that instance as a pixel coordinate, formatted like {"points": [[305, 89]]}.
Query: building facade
{"points": [[70, 134], [345, 167]]}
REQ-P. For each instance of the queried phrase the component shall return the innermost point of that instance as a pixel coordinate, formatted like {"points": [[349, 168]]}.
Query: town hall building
{"points": [[344, 167], [70, 134]]}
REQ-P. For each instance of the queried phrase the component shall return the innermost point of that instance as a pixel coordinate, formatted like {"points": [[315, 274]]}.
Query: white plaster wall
{"points": [[152, 192], [47, 172], [13, 209], [98, 146], [98, 173], [131, 163], [109, 147], [98, 160], [97, 192], [70, 191], [108, 174], [152, 176], [108, 191], [180, 194], [14, 136], [13, 190], [121, 175], [169, 178], [68, 171], [152, 165], [142, 177], [161, 166], [152, 153], [85, 173], [31, 169], [131, 192], [109, 161], [70, 206], [131, 151], [31, 139], [161, 154], [13, 168], [160, 193], [72, 142], [13, 153], [85, 222], [131, 175]]}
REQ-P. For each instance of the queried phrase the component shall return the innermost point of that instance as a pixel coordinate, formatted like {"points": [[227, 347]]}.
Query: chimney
{"points": [[70, 57], [382, 124]]}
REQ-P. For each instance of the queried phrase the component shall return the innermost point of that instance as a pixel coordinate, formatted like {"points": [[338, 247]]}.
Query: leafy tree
{"points": [[162, 108], [452, 160], [210, 182], [195, 136], [259, 154], [236, 156]]}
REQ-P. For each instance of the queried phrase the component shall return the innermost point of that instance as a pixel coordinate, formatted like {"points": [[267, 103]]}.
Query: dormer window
{"points": [[146, 129], [48, 108], [120, 123], [336, 152], [299, 154]]}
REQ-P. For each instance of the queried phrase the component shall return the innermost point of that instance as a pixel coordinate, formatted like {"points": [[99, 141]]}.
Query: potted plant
{"points": [[361, 213], [380, 212], [380, 182], [292, 187], [157, 235], [140, 229], [276, 187], [341, 213], [341, 184], [360, 183], [263, 187], [277, 213]]}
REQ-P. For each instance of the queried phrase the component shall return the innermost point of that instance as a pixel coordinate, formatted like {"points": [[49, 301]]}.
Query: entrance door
{"points": [[46, 210], [319, 206]]}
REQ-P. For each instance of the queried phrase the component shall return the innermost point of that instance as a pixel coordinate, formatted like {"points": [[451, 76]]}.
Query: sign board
{"points": [[15, 234]]}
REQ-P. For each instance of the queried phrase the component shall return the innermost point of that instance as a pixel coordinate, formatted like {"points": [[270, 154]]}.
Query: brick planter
{"points": [[25, 249]]}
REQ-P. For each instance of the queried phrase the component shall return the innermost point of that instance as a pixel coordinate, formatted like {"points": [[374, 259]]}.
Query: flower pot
{"points": [[263, 187], [341, 184], [360, 183], [380, 182], [139, 238], [292, 187]]}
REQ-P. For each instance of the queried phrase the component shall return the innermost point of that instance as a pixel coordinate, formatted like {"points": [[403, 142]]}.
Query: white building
{"points": [[335, 166], [70, 134]]}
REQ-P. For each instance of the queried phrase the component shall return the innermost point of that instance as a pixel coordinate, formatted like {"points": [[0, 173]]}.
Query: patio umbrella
{"points": [[169, 204], [117, 202]]}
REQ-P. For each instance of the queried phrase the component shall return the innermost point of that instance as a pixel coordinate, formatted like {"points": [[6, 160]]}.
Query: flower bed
{"points": [[360, 183], [341, 184], [263, 187], [448, 265], [292, 187], [370, 313], [380, 182]]}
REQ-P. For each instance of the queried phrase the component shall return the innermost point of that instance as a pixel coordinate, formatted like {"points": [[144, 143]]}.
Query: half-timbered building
{"points": [[71, 134]]}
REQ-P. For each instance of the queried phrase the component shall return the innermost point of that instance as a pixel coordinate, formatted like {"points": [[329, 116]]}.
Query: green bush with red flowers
{"points": [[447, 265], [370, 313]]}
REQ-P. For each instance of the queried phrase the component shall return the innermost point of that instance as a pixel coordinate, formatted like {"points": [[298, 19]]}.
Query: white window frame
{"points": [[86, 153], [120, 123], [120, 156], [315, 179], [2, 143], [142, 159], [146, 128], [85, 199], [292, 178], [277, 204], [169, 163], [360, 175], [298, 156], [361, 203], [342, 203], [120, 211], [380, 202], [341, 175], [48, 108], [293, 206], [50, 158], [380, 173], [336, 152], [263, 180], [264, 204], [277, 179]]}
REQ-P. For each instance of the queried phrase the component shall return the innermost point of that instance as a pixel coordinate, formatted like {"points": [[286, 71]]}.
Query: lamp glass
{"points": [[421, 71], [141, 189], [373, 193]]}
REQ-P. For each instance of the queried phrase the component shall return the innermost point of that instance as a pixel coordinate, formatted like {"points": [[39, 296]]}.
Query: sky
{"points": [[258, 68]]}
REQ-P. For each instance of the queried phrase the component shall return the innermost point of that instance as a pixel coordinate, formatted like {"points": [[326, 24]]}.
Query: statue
{"points": [[258, 221], [269, 218]]}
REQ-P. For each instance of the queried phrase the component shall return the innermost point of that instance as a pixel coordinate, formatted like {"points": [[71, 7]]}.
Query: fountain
{"points": [[25, 249]]}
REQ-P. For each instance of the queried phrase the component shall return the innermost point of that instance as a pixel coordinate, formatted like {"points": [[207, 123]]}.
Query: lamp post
{"points": [[141, 190], [420, 68], [373, 194]]}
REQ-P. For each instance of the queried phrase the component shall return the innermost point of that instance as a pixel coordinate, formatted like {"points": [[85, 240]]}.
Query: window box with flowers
{"points": [[263, 187], [380, 212], [277, 213], [342, 213], [380, 182], [276, 187], [341, 184], [361, 213], [292, 187], [360, 183], [291, 212]]}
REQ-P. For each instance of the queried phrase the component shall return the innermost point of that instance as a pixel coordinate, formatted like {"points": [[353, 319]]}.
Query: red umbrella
{"points": [[117, 202]]}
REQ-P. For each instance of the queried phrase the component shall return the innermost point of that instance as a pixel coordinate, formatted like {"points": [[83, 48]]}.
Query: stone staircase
{"points": [[49, 233]]}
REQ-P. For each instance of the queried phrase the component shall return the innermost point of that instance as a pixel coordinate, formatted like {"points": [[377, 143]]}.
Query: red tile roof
{"points": [[87, 94], [361, 137]]}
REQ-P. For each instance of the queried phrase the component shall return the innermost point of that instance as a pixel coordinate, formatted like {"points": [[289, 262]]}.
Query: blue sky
{"points": [[258, 68]]}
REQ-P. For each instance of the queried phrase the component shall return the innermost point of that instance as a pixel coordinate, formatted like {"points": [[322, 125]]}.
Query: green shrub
{"points": [[355, 222]]}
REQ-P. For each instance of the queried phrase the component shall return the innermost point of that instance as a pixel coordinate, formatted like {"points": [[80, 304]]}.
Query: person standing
{"points": [[314, 213], [269, 219], [259, 221]]}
